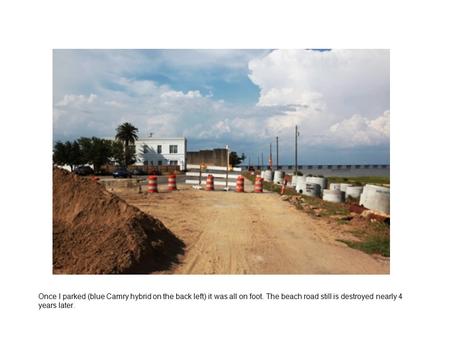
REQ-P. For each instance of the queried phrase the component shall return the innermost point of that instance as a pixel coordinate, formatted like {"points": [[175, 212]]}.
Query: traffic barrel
{"points": [[259, 184], [210, 183], [240, 184], [283, 186], [152, 184], [172, 182]]}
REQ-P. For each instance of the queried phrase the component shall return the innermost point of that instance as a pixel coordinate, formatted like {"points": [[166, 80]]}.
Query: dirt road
{"points": [[248, 233]]}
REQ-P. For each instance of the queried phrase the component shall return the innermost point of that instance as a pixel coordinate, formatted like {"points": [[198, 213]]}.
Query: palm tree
{"points": [[126, 133]]}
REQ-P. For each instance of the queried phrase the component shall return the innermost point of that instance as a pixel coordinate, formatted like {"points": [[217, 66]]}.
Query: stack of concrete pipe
{"points": [[321, 181], [268, 175], [278, 176], [334, 196], [376, 198], [353, 191], [300, 187], [335, 186], [344, 186], [312, 189]]}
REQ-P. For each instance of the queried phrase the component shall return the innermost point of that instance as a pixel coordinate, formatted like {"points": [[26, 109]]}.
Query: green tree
{"points": [[118, 154], [67, 153], [96, 151], [127, 134], [60, 153]]}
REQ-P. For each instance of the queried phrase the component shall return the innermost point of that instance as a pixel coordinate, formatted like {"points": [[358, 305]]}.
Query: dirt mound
{"points": [[96, 232]]}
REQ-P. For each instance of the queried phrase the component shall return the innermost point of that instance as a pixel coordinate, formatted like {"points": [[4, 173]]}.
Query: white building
{"points": [[161, 151]]}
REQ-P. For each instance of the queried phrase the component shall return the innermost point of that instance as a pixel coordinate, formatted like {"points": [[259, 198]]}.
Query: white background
{"points": [[414, 31]]}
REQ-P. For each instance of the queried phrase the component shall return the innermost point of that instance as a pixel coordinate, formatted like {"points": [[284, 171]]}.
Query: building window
{"points": [[159, 162], [173, 149], [159, 149], [145, 148], [173, 163]]}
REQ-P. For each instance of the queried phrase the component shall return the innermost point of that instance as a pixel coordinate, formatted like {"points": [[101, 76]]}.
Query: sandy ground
{"points": [[248, 233]]}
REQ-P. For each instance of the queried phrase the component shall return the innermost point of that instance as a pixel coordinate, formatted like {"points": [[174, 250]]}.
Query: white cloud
{"points": [[358, 130], [323, 89], [71, 99]]}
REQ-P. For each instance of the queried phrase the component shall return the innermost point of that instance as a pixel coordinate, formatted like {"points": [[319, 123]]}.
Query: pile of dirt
{"points": [[96, 232]]}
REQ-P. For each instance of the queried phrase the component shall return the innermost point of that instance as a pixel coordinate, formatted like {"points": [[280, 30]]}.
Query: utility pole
{"points": [[296, 164], [270, 157], [228, 164], [262, 160], [277, 153]]}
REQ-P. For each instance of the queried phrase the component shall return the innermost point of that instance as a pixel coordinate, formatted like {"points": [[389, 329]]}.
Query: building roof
{"points": [[160, 138]]}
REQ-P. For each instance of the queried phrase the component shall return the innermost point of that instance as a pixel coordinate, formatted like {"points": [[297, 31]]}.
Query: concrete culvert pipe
{"points": [[376, 198], [294, 180], [335, 186], [312, 189], [300, 187], [321, 181], [268, 176], [344, 186], [278, 176], [334, 196], [353, 192]]}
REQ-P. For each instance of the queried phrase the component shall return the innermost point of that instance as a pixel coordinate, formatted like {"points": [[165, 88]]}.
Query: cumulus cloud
{"points": [[324, 88], [358, 130], [71, 99]]}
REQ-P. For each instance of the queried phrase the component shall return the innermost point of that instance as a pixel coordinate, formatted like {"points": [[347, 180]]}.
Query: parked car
{"points": [[138, 172], [122, 173], [84, 170]]}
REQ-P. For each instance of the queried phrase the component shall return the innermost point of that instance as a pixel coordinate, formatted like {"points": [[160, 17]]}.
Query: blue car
{"points": [[122, 173]]}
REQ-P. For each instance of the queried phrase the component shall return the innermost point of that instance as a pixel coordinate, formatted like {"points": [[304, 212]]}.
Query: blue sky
{"points": [[243, 98]]}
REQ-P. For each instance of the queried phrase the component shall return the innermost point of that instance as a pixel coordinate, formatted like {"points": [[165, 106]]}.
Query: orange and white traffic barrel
{"points": [[240, 184], [172, 182], [283, 186], [258, 184], [210, 183], [152, 184]]}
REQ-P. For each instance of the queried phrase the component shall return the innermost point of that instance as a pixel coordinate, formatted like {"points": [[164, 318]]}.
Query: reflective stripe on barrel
{"points": [[152, 184], [210, 182], [172, 182], [240, 184], [259, 184]]}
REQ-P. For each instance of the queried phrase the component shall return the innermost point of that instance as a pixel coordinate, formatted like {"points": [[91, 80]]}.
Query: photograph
{"points": [[221, 161]]}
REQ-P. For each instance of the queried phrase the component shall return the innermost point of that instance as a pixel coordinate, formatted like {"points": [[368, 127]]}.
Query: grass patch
{"points": [[373, 244], [375, 239], [360, 180]]}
